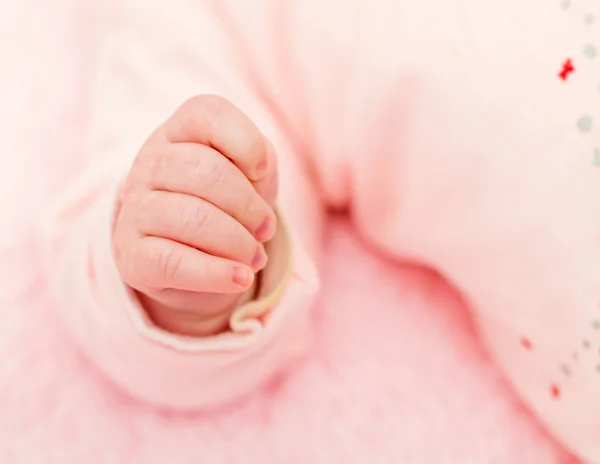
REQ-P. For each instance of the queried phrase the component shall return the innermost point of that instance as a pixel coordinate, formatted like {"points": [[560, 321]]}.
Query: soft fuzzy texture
{"points": [[418, 389]]}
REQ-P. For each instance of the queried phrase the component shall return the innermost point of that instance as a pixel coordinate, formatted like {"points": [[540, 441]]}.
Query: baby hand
{"points": [[194, 212]]}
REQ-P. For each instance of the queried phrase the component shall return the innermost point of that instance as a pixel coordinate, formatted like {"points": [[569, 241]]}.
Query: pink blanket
{"points": [[421, 390]]}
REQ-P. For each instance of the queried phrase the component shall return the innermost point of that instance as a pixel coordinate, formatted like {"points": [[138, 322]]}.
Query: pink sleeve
{"points": [[153, 58], [482, 129], [456, 140]]}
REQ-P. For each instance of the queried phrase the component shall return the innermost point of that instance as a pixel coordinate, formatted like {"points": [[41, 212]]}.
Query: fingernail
{"points": [[261, 168], [242, 276], [260, 258], [265, 230]]}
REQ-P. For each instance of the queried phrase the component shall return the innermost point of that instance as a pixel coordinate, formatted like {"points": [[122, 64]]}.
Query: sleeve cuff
{"points": [[167, 369]]}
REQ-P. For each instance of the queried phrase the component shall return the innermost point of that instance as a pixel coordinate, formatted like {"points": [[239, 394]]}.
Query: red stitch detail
{"points": [[526, 343], [566, 69], [555, 391]]}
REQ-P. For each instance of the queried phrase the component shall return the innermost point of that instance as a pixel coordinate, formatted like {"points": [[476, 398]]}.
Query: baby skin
{"points": [[194, 212], [459, 134]]}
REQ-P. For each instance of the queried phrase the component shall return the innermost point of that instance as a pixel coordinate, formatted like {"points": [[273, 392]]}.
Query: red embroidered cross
{"points": [[566, 69]]}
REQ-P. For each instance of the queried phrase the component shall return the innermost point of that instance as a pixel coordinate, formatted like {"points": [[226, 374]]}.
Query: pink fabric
{"points": [[418, 378]]}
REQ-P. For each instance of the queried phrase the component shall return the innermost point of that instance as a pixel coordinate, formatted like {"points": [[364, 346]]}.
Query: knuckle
{"points": [[194, 214], [217, 174], [159, 160], [150, 162], [210, 172], [144, 210], [168, 261], [196, 165], [205, 108]]}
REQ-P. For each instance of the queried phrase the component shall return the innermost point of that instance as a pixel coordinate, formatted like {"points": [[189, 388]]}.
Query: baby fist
{"points": [[194, 213]]}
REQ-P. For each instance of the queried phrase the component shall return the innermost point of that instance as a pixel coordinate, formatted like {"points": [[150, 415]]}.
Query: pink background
{"points": [[421, 390]]}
